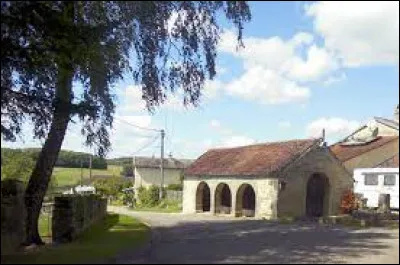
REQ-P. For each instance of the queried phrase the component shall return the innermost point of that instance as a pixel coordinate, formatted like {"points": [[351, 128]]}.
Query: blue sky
{"points": [[305, 66]]}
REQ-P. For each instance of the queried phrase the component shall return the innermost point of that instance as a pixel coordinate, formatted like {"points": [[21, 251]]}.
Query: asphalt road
{"points": [[179, 238]]}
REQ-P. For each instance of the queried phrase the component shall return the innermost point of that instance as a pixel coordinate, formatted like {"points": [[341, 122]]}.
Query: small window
{"points": [[371, 180], [389, 180]]}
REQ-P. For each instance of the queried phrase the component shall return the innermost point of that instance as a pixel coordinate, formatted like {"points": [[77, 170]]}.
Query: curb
{"points": [[141, 253]]}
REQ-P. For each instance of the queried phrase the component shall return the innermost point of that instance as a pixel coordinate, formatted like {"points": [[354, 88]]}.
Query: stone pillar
{"points": [[233, 203], [212, 200], [384, 203], [267, 199]]}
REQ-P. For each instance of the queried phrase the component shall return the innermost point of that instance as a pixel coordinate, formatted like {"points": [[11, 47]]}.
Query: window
{"points": [[389, 180], [371, 180]]}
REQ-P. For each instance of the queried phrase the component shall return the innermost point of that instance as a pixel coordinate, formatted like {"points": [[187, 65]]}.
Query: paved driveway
{"points": [[179, 238]]}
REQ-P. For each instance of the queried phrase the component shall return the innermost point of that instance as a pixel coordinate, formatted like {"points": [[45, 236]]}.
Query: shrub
{"points": [[149, 197], [348, 202], [177, 187], [111, 186]]}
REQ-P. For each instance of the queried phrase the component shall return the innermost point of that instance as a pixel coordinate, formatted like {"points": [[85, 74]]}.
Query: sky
{"points": [[305, 66]]}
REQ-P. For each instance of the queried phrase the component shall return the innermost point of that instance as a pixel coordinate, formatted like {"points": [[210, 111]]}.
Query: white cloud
{"points": [[285, 124], [133, 101], [267, 86], [334, 127], [217, 126], [283, 56], [335, 79], [361, 33], [236, 140]]}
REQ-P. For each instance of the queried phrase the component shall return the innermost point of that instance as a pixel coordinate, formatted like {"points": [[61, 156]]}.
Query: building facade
{"points": [[147, 171], [292, 178]]}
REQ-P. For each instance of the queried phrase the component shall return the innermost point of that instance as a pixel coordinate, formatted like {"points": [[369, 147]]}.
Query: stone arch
{"points": [[223, 199], [203, 197], [317, 196], [245, 201]]}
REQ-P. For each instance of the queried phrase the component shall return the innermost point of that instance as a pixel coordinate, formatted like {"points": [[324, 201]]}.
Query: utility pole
{"points": [[90, 167], [162, 164], [81, 170]]}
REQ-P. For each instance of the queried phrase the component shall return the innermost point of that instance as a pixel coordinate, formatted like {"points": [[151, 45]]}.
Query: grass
{"points": [[98, 244], [163, 207], [72, 176], [45, 225]]}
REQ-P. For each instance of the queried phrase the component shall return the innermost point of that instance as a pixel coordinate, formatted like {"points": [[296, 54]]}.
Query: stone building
{"points": [[292, 178], [147, 170], [371, 144]]}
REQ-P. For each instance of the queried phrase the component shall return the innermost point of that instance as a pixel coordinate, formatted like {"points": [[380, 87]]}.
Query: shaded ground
{"points": [[99, 243], [179, 238]]}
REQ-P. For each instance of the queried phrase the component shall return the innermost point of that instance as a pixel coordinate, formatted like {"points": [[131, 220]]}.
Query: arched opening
{"points": [[317, 200], [223, 199], [245, 201], [203, 198]]}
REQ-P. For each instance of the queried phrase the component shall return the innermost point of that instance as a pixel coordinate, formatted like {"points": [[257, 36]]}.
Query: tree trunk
{"points": [[41, 174]]}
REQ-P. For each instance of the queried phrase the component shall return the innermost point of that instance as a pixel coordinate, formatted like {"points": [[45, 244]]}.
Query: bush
{"points": [[348, 202], [127, 170], [149, 197], [176, 187], [111, 186]]}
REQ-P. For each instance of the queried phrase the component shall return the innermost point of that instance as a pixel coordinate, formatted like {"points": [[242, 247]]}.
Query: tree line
{"points": [[65, 159]]}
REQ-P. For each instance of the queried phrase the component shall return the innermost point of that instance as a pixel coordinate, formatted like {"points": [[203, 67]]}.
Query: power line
{"points": [[145, 146], [137, 126]]}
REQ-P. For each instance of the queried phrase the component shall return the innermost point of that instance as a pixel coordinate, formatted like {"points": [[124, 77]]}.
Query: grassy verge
{"points": [[99, 243], [163, 207]]}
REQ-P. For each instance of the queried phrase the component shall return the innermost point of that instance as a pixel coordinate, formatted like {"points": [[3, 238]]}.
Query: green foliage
{"points": [[111, 186], [177, 187], [127, 170], [16, 165], [97, 41], [65, 158], [148, 197]]}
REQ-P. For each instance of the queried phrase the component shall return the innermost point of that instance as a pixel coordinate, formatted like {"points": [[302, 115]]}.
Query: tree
{"points": [[49, 47]]}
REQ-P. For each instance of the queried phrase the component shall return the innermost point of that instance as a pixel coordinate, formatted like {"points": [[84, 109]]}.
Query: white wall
{"points": [[371, 192], [145, 177]]}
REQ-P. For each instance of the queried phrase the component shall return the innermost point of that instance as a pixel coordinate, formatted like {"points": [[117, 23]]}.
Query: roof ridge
{"points": [[262, 144]]}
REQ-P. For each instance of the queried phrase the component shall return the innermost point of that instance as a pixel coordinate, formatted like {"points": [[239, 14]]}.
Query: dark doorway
{"points": [[223, 199], [203, 198], [317, 195], [245, 201]]}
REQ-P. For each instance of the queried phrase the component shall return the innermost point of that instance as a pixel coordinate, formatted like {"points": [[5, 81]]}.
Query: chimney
{"points": [[396, 113]]}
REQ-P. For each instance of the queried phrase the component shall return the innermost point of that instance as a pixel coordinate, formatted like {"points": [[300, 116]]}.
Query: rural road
{"points": [[179, 238]]}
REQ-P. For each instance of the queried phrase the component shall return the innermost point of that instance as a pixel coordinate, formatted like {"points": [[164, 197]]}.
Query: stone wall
{"points": [[73, 214], [292, 199], [13, 215], [265, 190]]}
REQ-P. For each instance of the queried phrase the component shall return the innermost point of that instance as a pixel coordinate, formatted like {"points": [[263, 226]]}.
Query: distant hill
{"points": [[66, 158], [119, 161]]}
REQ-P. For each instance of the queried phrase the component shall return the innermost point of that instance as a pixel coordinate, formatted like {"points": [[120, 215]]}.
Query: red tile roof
{"points": [[347, 152], [391, 162], [248, 160]]}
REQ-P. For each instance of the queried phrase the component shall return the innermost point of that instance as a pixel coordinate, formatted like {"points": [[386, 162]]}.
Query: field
{"points": [[72, 176]]}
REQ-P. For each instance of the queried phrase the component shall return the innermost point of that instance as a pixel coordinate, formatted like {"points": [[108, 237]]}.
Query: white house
{"points": [[147, 171], [371, 182]]}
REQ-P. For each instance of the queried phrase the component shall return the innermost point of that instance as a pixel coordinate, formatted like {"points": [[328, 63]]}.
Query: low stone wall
{"points": [[73, 214], [13, 215]]}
